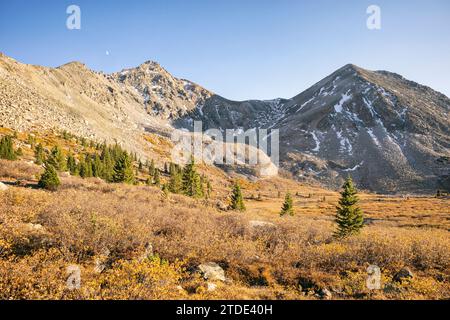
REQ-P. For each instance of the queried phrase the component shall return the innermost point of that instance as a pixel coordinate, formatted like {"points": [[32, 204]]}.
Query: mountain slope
{"points": [[72, 98], [389, 133]]}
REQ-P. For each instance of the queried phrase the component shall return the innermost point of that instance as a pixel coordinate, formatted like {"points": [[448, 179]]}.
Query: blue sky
{"points": [[241, 49]]}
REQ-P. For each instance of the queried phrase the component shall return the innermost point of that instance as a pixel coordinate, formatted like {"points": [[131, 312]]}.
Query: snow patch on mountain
{"points": [[345, 97]]}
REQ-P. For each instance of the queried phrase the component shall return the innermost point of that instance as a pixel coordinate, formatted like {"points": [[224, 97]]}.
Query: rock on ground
{"points": [[404, 274], [212, 271]]}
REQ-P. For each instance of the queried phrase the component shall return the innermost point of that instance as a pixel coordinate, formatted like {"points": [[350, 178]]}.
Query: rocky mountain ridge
{"points": [[389, 133]]}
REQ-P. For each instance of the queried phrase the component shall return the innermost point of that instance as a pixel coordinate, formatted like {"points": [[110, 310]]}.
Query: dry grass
{"points": [[84, 218], [42, 233]]}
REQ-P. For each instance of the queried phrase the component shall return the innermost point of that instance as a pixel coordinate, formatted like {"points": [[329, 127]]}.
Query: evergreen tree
{"points": [[108, 163], [175, 182], [237, 200], [287, 207], [49, 179], [123, 170], [39, 154], [7, 149], [156, 178], [71, 164], [208, 189], [97, 167], [192, 186], [151, 168], [85, 168], [349, 216], [57, 159]]}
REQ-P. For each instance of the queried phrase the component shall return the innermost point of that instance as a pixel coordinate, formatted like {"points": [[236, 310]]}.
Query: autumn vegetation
{"points": [[104, 222]]}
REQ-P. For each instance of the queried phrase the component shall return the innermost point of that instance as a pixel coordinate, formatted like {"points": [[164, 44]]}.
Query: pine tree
{"points": [[85, 167], [108, 163], [49, 179], [7, 149], [287, 207], [123, 170], [97, 167], [39, 154], [349, 216], [208, 189], [192, 185], [151, 168], [237, 200], [71, 164], [156, 178], [57, 159], [175, 182]]}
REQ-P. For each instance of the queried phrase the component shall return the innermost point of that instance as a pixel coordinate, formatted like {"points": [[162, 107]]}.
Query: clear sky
{"points": [[241, 49]]}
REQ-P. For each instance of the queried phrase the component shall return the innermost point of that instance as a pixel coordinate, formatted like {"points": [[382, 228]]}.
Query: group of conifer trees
{"points": [[349, 216], [114, 164], [186, 180], [7, 148], [111, 163]]}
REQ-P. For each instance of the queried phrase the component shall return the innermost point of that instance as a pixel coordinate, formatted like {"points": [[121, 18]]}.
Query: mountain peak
{"points": [[350, 67], [73, 64]]}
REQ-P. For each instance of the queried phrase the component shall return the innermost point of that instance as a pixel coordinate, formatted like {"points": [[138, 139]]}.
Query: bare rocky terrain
{"points": [[389, 133]]}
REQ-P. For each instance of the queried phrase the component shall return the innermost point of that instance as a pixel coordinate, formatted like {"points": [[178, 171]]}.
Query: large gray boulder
{"points": [[212, 271]]}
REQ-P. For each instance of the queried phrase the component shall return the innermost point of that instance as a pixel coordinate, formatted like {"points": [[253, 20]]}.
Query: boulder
{"points": [[257, 223], [221, 206], [325, 294], [3, 187], [34, 227], [212, 271], [404, 274]]}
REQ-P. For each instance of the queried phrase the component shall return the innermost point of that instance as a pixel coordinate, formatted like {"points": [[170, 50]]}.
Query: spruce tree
{"points": [[71, 164], [151, 168], [108, 163], [7, 149], [49, 179], [39, 154], [175, 182], [156, 178], [123, 170], [287, 207], [349, 216], [57, 159], [97, 167], [208, 189], [237, 200], [192, 185]]}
